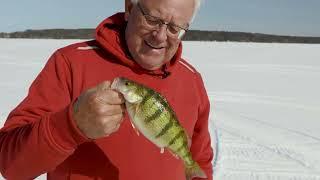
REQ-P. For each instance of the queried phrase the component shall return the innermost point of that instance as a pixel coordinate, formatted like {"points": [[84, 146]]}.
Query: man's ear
{"points": [[128, 8]]}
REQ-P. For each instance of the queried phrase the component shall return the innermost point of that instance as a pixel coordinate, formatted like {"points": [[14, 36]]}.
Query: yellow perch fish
{"points": [[151, 115]]}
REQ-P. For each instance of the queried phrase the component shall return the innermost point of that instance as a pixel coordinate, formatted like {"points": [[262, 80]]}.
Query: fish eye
{"points": [[127, 83]]}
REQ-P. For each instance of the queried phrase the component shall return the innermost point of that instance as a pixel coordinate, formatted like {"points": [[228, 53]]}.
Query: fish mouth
{"points": [[115, 83], [118, 85]]}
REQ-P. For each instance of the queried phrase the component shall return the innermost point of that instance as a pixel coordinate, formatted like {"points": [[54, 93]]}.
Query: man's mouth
{"points": [[151, 46]]}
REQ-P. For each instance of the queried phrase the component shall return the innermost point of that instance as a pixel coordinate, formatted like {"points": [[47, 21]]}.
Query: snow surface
{"points": [[265, 102]]}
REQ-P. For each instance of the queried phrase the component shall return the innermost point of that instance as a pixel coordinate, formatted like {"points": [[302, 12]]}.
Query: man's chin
{"points": [[150, 66], [150, 62]]}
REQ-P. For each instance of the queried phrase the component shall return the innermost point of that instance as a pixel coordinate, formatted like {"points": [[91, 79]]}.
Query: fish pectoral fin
{"points": [[134, 108], [135, 129]]}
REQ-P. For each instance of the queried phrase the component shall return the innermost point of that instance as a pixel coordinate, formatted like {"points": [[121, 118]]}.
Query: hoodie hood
{"points": [[110, 34]]}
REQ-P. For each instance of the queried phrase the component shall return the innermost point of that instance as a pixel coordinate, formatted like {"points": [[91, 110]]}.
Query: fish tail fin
{"points": [[194, 170]]}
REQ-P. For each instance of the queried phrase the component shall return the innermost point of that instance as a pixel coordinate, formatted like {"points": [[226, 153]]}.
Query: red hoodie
{"points": [[40, 134]]}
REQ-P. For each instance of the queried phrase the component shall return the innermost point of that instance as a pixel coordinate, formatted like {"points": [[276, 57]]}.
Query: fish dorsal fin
{"points": [[189, 141]]}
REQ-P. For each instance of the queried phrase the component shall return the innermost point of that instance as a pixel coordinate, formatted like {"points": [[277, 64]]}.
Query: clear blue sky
{"points": [[283, 17]]}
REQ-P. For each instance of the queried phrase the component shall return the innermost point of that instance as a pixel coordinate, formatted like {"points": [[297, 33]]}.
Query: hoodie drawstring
{"points": [[165, 72]]}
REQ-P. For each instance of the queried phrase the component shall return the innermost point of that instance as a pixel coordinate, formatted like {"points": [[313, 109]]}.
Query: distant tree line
{"points": [[192, 35], [196, 35], [51, 34]]}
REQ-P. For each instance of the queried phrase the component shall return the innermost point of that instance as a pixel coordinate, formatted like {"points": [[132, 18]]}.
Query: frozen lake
{"points": [[265, 116]]}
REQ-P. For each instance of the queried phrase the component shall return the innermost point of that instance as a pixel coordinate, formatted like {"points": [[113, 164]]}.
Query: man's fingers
{"points": [[112, 123], [104, 86], [109, 109], [106, 95], [109, 97], [99, 111]]}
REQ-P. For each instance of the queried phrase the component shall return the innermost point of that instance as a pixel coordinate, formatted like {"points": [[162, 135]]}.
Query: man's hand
{"points": [[99, 111]]}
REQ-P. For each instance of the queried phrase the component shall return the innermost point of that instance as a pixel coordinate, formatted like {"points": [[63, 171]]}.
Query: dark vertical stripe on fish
{"points": [[149, 95], [154, 116], [176, 137], [185, 143], [166, 128], [162, 101], [186, 155]]}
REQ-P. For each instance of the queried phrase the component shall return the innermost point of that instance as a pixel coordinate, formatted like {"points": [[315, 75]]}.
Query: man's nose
{"points": [[161, 33]]}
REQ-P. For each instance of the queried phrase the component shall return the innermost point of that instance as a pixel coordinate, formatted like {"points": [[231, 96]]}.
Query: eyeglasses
{"points": [[154, 23]]}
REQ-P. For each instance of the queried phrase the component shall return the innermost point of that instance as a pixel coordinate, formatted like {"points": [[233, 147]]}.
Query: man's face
{"points": [[153, 47]]}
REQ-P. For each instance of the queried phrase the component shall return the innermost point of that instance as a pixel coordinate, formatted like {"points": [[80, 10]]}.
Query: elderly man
{"points": [[72, 125]]}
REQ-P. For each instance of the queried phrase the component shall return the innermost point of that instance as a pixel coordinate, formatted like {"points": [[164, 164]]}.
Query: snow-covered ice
{"points": [[265, 102]]}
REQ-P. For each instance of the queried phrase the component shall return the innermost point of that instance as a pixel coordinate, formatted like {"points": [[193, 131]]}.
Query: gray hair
{"points": [[196, 8]]}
